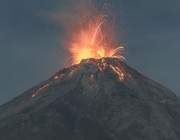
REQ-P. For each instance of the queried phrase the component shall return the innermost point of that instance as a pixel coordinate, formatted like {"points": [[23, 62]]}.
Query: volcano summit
{"points": [[97, 99]]}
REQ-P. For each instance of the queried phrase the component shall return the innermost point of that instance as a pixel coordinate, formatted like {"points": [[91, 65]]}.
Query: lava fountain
{"points": [[93, 35]]}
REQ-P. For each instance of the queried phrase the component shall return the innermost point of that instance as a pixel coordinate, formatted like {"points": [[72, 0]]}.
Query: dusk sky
{"points": [[31, 49]]}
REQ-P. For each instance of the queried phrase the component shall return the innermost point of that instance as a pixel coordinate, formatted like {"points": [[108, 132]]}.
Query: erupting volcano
{"points": [[94, 35], [98, 98]]}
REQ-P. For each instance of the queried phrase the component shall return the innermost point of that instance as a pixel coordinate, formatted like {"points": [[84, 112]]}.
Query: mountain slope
{"points": [[98, 99]]}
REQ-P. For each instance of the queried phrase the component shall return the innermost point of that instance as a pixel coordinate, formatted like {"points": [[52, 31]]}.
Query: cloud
{"points": [[64, 13]]}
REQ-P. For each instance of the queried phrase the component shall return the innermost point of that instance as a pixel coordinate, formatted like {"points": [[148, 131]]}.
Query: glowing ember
{"points": [[56, 77], [91, 79], [118, 72], [93, 36], [39, 90], [71, 73], [102, 65]]}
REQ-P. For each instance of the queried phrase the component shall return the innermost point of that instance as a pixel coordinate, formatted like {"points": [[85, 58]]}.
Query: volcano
{"points": [[97, 99]]}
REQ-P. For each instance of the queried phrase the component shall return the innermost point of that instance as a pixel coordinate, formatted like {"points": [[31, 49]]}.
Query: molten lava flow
{"points": [[93, 36], [39, 90], [118, 71], [56, 77]]}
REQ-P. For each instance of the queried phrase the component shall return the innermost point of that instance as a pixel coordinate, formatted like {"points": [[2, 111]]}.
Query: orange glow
{"points": [[91, 79], [102, 65], [56, 77], [118, 72], [39, 90], [71, 73], [93, 36]]}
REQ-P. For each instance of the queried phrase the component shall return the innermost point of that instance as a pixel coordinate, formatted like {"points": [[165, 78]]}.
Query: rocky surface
{"points": [[100, 99]]}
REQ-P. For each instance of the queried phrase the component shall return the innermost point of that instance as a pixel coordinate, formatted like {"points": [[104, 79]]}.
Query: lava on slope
{"points": [[99, 99]]}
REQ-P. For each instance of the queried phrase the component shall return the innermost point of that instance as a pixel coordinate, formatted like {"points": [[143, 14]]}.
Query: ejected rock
{"points": [[98, 99]]}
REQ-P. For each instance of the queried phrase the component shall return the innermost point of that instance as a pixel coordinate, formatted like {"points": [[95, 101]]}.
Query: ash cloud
{"points": [[64, 13]]}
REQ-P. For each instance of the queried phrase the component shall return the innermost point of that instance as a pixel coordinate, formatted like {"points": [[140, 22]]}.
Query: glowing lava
{"points": [[94, 35], [56, 77], [39, 90]]}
